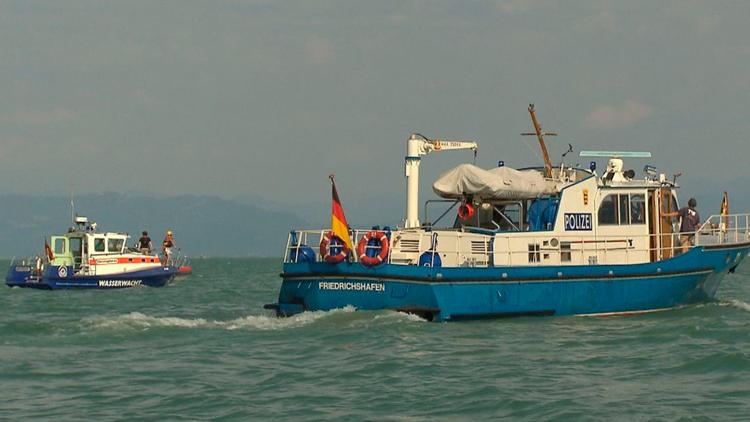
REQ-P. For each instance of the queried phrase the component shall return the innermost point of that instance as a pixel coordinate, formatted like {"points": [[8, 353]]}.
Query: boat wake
{"points": [[738, 304], [140, 321]]}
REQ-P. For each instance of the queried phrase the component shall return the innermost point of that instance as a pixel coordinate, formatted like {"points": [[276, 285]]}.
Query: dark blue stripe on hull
{"points": [[157, 277]]}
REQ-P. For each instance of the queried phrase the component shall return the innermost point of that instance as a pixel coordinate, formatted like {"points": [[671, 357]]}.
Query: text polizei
{"points": [[577, 221]]}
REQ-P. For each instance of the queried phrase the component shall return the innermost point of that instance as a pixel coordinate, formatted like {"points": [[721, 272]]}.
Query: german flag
{"points": [[339, 226], [724, 213]]}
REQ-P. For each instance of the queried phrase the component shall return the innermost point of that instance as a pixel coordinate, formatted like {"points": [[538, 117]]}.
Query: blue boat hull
{"points": [[19, 276], [472, 293]]}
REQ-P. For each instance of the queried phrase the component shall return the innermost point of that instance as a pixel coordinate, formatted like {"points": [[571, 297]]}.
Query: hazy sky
{"points": [[267, 98]]}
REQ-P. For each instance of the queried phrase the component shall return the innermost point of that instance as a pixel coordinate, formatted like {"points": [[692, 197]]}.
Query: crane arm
{"points": [[446, 145], [418, 146]]}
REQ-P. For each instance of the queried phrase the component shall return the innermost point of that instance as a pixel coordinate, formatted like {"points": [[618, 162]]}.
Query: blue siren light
{"points": [[592, 165], [501, 163]]}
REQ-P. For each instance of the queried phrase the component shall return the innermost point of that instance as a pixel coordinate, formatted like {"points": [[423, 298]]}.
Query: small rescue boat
{"points": [[85, 258]]}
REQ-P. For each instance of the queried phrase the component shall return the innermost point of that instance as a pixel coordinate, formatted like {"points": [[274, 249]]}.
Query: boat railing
{"points": [[34, 263], [180, 259], [724, 229], [483, 248]]}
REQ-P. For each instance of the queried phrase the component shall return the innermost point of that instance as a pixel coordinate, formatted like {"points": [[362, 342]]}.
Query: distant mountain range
{"points": [[202, 225]]}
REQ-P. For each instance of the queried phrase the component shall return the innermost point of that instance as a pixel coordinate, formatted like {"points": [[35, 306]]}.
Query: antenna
{"points": [[540, 136], [570, 149], [72, 208]]}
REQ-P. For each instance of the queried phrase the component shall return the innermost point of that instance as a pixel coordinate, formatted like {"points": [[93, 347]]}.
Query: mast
{"points": [[540, 136]]}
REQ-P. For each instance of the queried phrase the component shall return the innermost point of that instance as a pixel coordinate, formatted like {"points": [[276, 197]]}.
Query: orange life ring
{"points": [[325, 251], [465, 211], [362, 248]]}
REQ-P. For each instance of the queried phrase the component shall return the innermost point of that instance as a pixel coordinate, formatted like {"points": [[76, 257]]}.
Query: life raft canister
{"points": [[329, 243], [465, 211], [377, 236]]}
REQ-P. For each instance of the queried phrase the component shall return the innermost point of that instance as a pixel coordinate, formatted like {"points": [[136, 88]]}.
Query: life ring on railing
{"points": [[325, 248], [362, 248], [465, 211]]}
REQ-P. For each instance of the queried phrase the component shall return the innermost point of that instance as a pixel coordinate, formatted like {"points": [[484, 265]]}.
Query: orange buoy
{"points": [[325, 249], [362, 248], [465, 211]]}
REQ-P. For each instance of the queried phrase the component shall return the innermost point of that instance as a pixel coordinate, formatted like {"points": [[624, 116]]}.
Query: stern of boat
{"points": [[24, 273]]}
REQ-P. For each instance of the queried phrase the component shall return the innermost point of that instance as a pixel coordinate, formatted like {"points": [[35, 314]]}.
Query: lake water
{"points": [[203, 348]]}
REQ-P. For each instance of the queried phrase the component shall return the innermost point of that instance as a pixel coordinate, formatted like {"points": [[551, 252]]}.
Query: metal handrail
{"points": [[453, 203]]}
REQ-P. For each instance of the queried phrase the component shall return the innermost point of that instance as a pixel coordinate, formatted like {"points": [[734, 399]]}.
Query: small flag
{"points": [[339, 226], [48, 251], [724, 213]]}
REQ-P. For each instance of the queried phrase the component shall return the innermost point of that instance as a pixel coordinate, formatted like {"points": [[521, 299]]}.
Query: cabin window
{"points": [[75, 245], [534, 253], [115, 245], [624, 209], [608, 210], [99, 245], [565, 255], [637, 209], [59, 246]]}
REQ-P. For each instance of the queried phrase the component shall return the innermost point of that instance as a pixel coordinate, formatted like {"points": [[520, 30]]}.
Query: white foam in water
{"points": [[139, 320], [740, 305], [261, 322], [403, 316]]}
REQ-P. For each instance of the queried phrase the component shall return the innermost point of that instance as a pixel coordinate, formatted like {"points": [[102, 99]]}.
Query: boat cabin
{"points": [[87, 250], [579, 219]]}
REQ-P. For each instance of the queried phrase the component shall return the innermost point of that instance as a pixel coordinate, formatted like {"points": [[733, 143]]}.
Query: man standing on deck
{"points": [[144, 244], [166, 247], [690, 222]]}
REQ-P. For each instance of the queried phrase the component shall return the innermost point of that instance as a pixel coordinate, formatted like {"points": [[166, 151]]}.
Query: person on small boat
{"points": [[166, 247], [690, 222], [144, 243]]}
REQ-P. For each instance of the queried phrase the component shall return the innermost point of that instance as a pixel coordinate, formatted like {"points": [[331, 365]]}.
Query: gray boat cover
{"points": [[498, 183]]}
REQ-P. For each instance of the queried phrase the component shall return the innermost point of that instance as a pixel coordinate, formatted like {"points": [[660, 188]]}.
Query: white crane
{"points": [[418, 146]]}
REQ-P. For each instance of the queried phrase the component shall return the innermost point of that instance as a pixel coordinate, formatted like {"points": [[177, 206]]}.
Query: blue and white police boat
{"points": [[557, 240], [85, 258]]}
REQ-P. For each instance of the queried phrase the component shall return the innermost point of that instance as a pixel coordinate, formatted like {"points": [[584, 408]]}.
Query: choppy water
{"points": [[203, 348]]}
